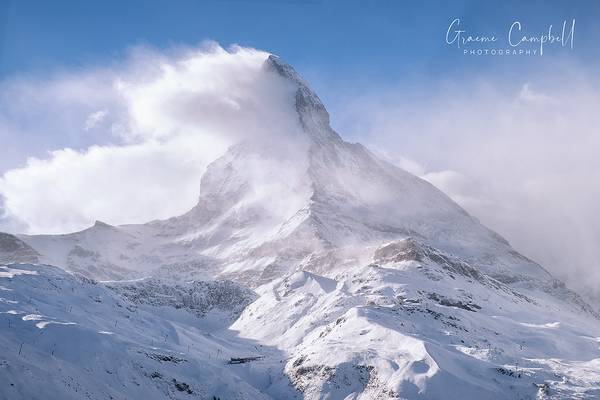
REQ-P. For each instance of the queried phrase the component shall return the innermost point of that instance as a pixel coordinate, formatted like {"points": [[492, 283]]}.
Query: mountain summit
{"points": [[312, 114], [370, 283]]}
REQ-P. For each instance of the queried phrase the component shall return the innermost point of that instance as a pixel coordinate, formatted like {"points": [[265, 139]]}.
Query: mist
{"points": [[128, 142], [519, 156]]}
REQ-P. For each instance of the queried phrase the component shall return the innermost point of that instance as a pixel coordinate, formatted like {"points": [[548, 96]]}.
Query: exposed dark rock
{"points": [[14, 250]]}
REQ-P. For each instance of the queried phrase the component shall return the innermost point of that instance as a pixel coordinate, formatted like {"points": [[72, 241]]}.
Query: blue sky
{"points": [[344, 48], [378, 40]]}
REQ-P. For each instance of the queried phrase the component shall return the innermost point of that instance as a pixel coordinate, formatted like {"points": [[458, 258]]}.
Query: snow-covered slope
{"points": [[414, 323], [418, 324], [370, 283], [67, 337]]}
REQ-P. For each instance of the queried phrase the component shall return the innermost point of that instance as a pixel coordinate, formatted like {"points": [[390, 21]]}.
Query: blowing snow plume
{"points": [[160, 118]]}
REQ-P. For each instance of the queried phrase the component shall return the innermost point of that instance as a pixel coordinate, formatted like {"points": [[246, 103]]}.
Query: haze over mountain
{"points": [[367, 283]]}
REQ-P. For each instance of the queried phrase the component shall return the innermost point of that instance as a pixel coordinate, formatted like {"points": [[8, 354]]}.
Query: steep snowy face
{"points": [[266, 206]]}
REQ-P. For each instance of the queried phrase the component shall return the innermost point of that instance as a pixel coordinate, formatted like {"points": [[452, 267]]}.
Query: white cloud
{"points": [[522, 160], [94, 119], [159, 118], [527, 94], [118, 184]]}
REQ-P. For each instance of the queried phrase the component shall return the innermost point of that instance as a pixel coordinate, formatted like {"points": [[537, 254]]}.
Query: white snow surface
{"points": [[68, 337], [324, 272]]}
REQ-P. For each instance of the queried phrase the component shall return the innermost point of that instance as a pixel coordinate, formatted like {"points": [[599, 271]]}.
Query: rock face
{"points": [[14, 250], [197, 297], [371, 283]]}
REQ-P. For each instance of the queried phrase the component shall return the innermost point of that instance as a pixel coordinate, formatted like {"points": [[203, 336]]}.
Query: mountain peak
{"points": [[307, 96], [100, 224], [313, 115]]}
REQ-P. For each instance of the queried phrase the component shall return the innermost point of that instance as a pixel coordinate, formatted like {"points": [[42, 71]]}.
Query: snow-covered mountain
{"points": [[266, 207], [368, 283]]}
